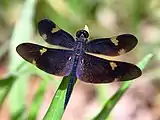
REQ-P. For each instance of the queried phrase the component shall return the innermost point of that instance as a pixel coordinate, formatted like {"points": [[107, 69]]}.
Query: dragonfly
{"points": [[75, 60]]}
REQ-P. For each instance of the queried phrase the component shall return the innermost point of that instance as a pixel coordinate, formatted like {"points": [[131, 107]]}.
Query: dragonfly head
{"points": [[82, 34]]}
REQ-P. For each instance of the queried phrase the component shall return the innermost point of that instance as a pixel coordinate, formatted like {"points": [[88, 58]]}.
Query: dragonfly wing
{"points": [[52, 34], [93, 69], [54, 61], [112, 46]]}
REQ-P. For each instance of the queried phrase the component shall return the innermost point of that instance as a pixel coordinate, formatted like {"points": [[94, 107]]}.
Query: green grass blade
{"points": [[37, 101], [22, 32], [17, 95], [56, 109], [19, 115], [7, 82], [5, 85], [38, 98], [104, 113]]}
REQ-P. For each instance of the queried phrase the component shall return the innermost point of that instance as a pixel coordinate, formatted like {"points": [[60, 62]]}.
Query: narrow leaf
{"points": [[5, 85], [22, 32], [7, 82], [56, 109], [38, 98]]}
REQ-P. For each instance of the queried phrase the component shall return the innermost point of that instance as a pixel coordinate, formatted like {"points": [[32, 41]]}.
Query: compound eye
{"points": [[78, 34], [82, 32]]}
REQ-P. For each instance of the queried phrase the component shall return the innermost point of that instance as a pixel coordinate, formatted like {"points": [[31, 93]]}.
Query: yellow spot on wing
{"points": [[34, 62], [121, 51], [44, 36], [55, 29], [114, 40], [113, 65], [43, 50]]}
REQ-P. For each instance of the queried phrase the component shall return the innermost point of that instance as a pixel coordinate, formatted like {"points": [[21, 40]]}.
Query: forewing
{"points": [[114, 46], [92, 69], [52, 34], [54, 61]]}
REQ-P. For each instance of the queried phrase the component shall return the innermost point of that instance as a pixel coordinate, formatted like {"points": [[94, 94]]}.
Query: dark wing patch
{"points": [[114, 46], [54, 61], [92, 69], [52, 34]]}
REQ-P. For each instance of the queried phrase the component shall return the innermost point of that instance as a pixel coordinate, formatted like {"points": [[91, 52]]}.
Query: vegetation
{"points": [[28, 93]]}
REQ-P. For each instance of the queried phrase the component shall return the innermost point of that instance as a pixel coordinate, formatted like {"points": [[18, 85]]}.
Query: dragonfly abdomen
{"points": [[72, 81]]}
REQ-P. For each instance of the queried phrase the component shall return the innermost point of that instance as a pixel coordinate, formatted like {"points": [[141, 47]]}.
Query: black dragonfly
{"points": [[75, 60]]}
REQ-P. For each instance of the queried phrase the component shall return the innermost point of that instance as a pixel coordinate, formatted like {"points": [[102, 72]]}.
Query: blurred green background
{"points": [[21, 82]]}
